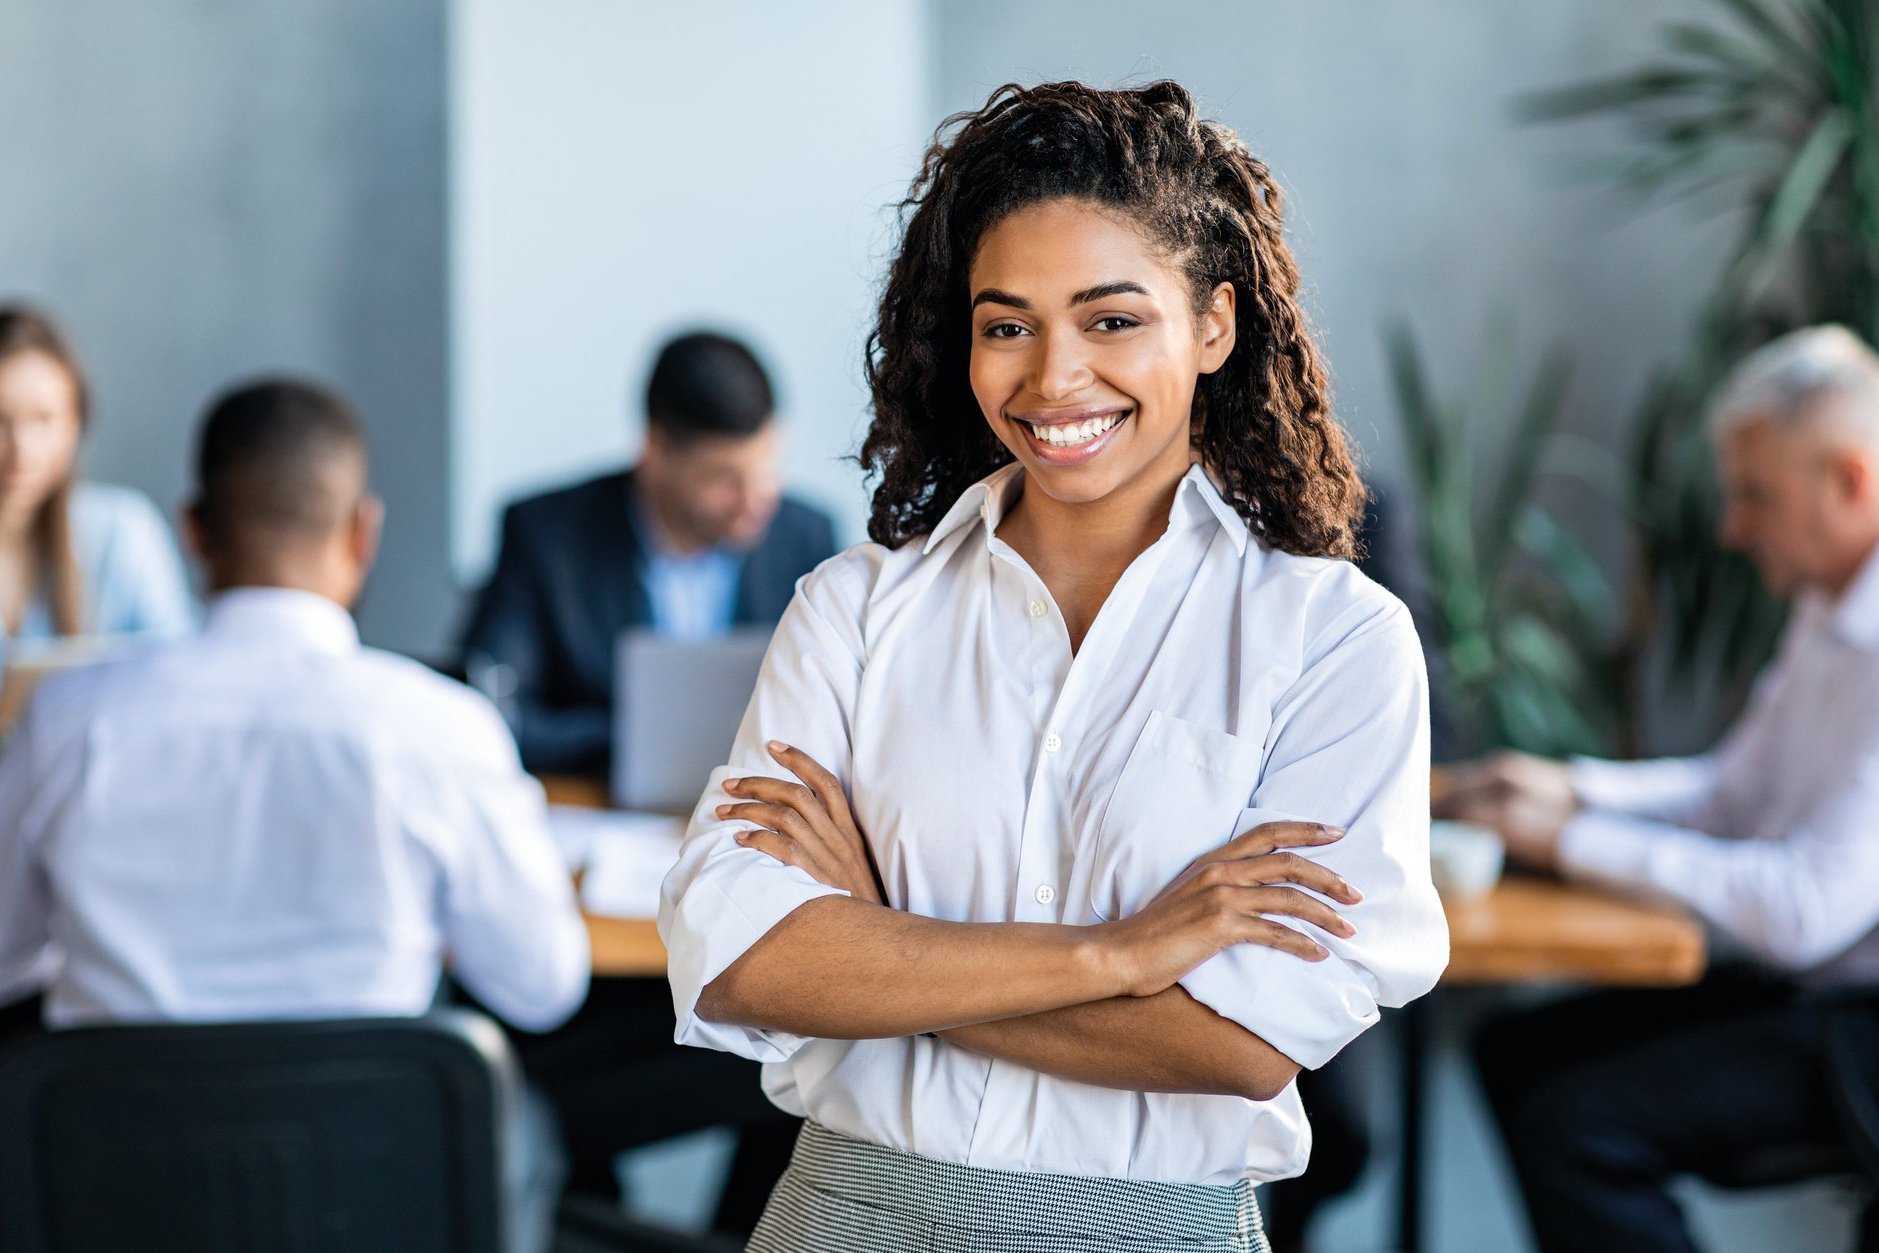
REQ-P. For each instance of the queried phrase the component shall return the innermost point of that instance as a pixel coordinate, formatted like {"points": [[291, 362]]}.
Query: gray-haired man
{"points": [[1773, 837]]}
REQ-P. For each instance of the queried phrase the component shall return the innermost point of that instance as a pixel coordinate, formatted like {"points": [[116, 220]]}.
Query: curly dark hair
{"points": [[1262, 422]]}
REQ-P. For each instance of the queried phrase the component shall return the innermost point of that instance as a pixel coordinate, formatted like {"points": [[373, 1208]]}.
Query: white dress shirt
{"points": [[269, 821], [1774, 835], [1001, 779]]}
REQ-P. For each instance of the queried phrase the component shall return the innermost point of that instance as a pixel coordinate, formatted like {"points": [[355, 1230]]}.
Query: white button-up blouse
{"points": [[999, 778]]}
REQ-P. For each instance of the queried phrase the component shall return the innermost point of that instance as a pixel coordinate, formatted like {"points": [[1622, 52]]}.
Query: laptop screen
{"points": [[677, 706]]}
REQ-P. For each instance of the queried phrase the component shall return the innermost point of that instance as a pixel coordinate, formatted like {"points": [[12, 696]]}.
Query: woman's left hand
{"points": [[806, 824]]}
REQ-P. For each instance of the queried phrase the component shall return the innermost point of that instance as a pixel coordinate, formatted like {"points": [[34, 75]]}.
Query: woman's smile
{"points": [[1072, 436]]}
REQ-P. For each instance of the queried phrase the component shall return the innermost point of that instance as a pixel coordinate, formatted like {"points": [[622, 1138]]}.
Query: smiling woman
{"points": [[1113, 794]]}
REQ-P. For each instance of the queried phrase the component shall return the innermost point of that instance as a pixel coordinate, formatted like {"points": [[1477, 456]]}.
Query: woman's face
{"points": [[39, 430], [1086, 350]]}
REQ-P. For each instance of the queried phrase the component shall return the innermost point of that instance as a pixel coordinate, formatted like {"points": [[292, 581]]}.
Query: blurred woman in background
{"points": [[75, 558]]}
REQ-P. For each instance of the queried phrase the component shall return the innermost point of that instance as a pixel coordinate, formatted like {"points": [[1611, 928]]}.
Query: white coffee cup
{"points": [[1465, 859]]}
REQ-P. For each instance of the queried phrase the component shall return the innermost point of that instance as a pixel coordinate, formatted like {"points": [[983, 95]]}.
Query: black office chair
{"points": [[371, 1136]]}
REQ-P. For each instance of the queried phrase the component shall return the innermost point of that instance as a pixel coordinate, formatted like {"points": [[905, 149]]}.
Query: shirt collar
{"points": [[283, 613], [1196, 501], [1856, 614]]}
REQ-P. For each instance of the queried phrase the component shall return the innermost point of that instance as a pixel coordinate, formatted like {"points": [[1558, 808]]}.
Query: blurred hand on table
{"points": [[1527, 800]]}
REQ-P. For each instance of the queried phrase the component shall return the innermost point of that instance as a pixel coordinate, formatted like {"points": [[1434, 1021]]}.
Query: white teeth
{"points": [[1071, 434]]}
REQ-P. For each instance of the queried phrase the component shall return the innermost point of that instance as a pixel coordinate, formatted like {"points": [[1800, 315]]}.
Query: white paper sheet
{"points": [[623, 856]]}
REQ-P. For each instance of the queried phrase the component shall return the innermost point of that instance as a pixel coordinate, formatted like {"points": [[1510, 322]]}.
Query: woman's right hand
{"points": [[1228, 897]]}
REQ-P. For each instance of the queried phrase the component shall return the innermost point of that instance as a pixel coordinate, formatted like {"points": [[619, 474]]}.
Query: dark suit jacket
{"points": [[569, 578]]}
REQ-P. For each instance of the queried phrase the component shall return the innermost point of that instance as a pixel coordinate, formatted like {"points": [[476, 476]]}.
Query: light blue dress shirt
{"points": [[694, 595], [134, 580]]}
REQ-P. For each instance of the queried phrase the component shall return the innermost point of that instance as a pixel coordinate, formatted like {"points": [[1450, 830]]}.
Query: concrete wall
{"points": [[621, 171], [205, 190]]}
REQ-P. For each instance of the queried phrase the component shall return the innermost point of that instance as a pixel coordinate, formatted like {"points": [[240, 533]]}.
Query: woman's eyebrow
{"points": [[993, 296], [1103, 291], [1119, 287]]}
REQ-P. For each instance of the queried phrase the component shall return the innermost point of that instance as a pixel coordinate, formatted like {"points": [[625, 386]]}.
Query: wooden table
{"points": [[1524, 931], [576, 790], [620, 947], [1537, 930], [625, 947]]}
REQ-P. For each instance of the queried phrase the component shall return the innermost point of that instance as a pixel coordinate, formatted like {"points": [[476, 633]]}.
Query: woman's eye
{"points": [[1003, 330], [1115, 322]]}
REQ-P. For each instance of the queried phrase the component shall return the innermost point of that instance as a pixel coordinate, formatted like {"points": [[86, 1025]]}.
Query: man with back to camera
{"points": [[1773, 837], [269, 821], [692, 541]]}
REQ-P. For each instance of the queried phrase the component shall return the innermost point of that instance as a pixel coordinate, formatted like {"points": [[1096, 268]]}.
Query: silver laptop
{"points": [[676, 708]]}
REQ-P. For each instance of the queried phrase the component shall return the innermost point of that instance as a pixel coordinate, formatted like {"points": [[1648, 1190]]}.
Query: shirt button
{"points": [[1037, 609], [1045, 894], [1053, 742]]}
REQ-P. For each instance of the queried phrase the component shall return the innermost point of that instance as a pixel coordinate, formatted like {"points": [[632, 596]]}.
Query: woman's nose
{"points": [[1062, 367]]}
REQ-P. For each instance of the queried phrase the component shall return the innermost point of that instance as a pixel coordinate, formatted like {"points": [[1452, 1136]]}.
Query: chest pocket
{"points": [[1179, 795]]}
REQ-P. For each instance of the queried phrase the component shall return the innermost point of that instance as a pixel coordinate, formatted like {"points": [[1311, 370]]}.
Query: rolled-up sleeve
{"points": [[1349, 746], [721, 898]]}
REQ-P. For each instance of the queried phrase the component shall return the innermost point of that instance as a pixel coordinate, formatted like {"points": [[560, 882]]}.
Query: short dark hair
{"points": [[707, 384], [265, 461]]}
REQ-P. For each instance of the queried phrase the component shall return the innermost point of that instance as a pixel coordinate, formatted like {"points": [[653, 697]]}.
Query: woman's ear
{"points": [[1219, 328]]}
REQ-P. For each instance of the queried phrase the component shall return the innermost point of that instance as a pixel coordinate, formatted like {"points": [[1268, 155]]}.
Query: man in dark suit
{"points": [[694, 539]]}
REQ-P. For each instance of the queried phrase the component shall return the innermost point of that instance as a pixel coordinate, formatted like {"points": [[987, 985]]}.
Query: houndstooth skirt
{"points": [[847, 1196]]}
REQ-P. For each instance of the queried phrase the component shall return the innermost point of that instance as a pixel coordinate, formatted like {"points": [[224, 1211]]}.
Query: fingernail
{"points": [[724, 811], [1334, 831], [732, 784], [778, 746], [742, 837]]}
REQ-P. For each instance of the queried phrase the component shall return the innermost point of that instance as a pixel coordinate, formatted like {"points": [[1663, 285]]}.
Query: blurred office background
{"points": [[478, 218]]}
